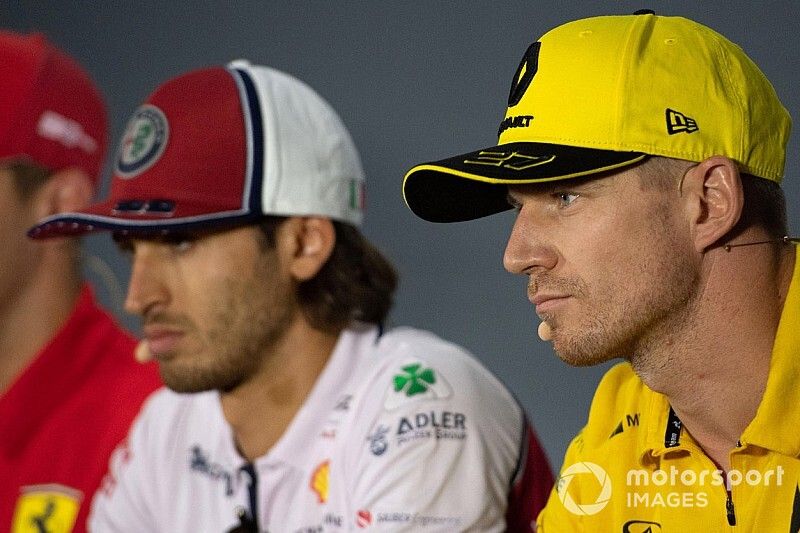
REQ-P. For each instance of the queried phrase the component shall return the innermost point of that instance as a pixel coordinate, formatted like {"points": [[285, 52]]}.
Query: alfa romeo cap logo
{"points": [[143, 142], [582, 469]]}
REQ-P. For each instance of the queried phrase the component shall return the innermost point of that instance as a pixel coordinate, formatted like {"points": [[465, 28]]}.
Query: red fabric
{"points": [[531, 488], [50, 110], [62, 418], [198, 171], [205, 157]]}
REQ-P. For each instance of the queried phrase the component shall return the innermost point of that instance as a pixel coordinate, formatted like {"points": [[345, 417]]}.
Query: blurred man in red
{"points": [[69, 385]]}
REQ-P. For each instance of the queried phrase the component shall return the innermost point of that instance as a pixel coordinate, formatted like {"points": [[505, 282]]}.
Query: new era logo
{"points": [[680, 123]]}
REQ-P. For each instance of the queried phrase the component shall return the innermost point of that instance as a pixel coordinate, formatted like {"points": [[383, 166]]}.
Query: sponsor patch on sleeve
{"points": [[413, 381]]}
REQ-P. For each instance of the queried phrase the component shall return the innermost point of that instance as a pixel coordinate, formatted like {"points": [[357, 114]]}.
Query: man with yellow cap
{"points": [[643, 155]]}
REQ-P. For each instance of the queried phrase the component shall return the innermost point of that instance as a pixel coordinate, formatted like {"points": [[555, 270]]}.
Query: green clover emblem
{"points": [[414, 379]]}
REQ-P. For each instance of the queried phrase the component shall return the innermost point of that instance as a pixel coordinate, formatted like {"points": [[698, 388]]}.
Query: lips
{"points": [[161, 340], [546, 303]]}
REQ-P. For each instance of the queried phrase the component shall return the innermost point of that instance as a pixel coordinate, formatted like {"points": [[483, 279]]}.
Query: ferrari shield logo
{"points": [[46, 509]]}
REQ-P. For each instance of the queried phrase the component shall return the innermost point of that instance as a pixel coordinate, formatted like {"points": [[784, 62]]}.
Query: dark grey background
{"points": [[413, 81]]}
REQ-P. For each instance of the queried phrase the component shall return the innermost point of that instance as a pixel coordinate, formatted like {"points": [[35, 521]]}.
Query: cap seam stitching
{"points": [[724, 63], [636, 29]]}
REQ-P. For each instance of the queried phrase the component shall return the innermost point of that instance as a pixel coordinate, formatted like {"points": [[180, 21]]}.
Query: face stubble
{"points": [[248, 318], [639, 297]]}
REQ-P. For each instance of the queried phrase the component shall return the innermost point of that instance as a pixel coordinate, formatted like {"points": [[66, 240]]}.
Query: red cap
{"points": [[50, 111], [221, 146]]}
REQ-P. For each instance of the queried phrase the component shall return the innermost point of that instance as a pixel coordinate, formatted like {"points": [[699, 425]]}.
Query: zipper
{"points": [[729, 509], [248, 521]]}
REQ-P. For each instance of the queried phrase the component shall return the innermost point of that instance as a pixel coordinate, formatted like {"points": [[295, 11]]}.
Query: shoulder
{"points": [[417, 385], [609, 447], [414, 359], [407, 344], [425, 401], [617, 409]]}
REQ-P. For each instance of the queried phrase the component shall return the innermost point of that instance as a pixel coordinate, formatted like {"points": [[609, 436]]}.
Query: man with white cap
{"points": [[237, 192], [644, 156], [69, 386]]}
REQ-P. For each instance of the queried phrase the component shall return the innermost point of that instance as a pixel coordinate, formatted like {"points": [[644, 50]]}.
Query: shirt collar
{"points": [[664, 431]]}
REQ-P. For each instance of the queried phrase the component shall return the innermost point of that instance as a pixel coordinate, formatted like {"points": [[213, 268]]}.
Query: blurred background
{"points": [[413, 81]]}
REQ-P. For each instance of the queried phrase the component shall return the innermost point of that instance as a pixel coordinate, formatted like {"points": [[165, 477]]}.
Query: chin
{"points": [[190, 380], [581, 361], [581, 353]]}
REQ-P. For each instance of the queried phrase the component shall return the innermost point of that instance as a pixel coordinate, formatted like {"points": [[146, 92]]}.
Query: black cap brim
{"points": [[475, 184]]}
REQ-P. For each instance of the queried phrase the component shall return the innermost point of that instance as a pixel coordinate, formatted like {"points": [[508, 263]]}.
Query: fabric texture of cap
{"points": [[221, 146], [603, 93], [51, 113]]}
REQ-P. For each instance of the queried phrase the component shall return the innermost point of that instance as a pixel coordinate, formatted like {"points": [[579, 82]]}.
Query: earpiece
{"points": [[142, 353], [545, 332]]}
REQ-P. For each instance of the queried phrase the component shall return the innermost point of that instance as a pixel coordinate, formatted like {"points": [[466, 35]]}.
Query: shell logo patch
{"points": [[50, 508], [319, 481], [143, 142], [363, 518]]}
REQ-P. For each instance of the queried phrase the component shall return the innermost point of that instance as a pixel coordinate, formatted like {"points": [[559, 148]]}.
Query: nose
{"points": [[526, 251], [146, 289]]}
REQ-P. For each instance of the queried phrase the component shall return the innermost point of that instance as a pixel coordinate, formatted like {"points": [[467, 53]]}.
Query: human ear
{"points": [[65, 191], [315, 238], [714, 198]]}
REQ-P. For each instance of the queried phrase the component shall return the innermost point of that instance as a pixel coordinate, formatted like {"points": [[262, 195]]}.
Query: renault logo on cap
{"points": [[525, 72]]}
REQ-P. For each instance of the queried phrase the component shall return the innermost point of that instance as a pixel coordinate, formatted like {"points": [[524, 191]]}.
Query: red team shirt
{"points": [[62, 418]]}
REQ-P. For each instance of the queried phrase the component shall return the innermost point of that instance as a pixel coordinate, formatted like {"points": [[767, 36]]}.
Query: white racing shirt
{"points": [[401, 432]]}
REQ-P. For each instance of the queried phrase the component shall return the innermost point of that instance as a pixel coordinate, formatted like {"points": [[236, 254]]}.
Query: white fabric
{"points": [[436, 455], [311, 165]]}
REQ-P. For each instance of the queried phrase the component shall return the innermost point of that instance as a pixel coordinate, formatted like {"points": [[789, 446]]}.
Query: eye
{"points": [[565, 199]]}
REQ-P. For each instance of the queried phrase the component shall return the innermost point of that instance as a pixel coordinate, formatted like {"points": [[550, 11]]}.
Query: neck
{"points": [[260, 410], [33, 312], [731, 326]]}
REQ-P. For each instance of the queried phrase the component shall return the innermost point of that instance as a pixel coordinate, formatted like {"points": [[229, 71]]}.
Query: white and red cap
{"points": [[222, 146], [51, 113]]}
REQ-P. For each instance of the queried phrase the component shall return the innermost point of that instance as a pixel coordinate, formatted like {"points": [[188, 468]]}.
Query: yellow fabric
{"points": [[623, 446], [609, 83], [51, 508]]}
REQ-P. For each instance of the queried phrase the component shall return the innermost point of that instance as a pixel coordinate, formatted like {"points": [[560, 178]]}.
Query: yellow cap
{"points": [[603, 93]]}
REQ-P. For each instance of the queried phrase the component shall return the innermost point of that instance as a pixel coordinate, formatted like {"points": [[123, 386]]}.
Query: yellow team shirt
{"points": [[634, 469]]}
